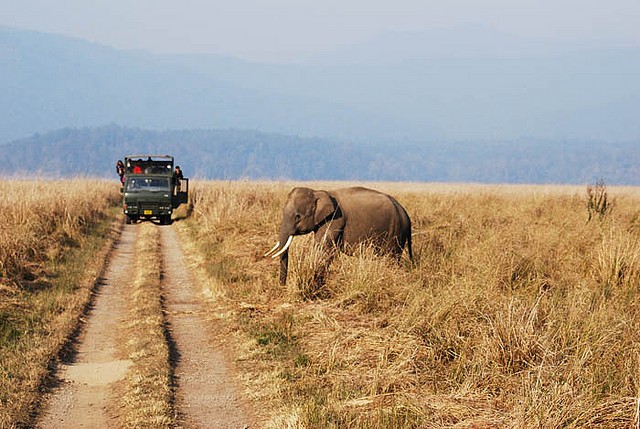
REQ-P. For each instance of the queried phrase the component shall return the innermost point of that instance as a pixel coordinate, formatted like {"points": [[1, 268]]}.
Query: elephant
{"points": [[341, 219]]}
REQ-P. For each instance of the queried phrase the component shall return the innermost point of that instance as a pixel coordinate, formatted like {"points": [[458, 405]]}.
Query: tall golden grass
{"points": [[41, 218], [518, 311], [52, 247]]}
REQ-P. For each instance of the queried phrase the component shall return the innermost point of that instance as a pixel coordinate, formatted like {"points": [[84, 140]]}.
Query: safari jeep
{"points": [[150, 189]]}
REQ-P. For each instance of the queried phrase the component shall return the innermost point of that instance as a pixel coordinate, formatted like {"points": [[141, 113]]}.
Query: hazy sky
{"points": [[285, 29]]}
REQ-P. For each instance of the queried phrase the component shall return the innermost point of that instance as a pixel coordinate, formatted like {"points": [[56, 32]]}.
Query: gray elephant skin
{"points": [[341, 219]]}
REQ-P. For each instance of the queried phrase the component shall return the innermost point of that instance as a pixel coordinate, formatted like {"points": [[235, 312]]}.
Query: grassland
{"points": [[53, 242], [518, 312]]}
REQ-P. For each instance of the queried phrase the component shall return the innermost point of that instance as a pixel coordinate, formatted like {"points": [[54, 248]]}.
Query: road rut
{"points": [[207, 396], [82, 396]]}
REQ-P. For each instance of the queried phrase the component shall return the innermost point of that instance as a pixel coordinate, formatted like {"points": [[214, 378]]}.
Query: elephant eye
{"points": [[297, 217]]}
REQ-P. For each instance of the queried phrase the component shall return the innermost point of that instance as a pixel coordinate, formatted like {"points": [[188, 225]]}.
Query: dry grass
{"points": [[52, 248], [40, 219], [146, 400], [517, 313]]}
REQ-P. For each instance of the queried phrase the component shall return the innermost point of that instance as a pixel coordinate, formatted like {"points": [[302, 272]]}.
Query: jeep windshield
{"points": [[151, 184]]}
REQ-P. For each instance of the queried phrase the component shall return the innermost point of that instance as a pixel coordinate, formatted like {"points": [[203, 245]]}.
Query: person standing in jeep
{"points": [[120, 171], [177, 179]]}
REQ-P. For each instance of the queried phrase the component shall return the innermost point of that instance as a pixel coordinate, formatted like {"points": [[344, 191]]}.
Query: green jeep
{"points": [[151, 189]]}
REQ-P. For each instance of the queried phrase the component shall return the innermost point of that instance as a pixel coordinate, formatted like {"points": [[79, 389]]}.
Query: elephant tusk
{"points": [[284, 249], [272, 250]]}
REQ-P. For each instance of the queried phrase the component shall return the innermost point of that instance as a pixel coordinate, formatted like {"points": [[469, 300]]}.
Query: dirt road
{"points": [[206, 393]]}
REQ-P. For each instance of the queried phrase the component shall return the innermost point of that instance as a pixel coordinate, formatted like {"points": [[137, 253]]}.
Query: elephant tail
{"points": [[408, 223], [405, 222], [409, 245]]}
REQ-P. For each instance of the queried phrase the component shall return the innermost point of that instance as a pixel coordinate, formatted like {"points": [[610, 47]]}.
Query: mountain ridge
{"points": [[547, 92], [54, 81], [255, 155]]}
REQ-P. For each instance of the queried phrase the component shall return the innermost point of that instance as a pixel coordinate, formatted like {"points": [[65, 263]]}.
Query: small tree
{"points": [[597, 200]]}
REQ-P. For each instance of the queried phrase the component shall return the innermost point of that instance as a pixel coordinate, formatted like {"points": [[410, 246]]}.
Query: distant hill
{"points": [[242, 154], [466, 83], [51, 82]]}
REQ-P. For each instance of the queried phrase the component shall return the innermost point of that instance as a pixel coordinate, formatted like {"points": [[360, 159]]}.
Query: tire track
{"points": [[82, 395], [206, 394]]}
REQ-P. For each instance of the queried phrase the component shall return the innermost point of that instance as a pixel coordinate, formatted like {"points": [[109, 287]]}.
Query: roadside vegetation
{"points": [[54, 239], [145, 397], [521, 309]]}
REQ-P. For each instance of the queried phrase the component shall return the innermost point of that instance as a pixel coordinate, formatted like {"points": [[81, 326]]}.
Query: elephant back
{"points": [[372, 215]]}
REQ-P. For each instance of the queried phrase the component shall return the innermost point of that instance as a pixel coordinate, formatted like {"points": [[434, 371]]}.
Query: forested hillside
{"points": [[236, 154]]}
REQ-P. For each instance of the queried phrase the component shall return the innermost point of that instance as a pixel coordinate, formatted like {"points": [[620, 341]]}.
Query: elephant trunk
{"points": [[285, 239], [284, 267]]}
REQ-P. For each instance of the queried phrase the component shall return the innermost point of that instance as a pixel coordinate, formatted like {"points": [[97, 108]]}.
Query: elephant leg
{"points": [[321, 272], [329, 240]]}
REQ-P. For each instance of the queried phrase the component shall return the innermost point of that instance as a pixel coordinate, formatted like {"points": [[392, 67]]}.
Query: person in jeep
{"points": [[177, 178], [120, 170]]}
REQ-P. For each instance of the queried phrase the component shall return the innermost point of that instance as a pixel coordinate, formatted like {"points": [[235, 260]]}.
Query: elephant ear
{"points": [[324, 206]]}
